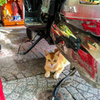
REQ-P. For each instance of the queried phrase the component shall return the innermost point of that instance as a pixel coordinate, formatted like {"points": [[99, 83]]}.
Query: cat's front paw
{"points": [[47, 75], [56, 75]]}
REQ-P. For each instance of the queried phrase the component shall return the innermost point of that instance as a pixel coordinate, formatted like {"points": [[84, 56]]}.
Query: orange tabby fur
{"points": [[55, 62]]}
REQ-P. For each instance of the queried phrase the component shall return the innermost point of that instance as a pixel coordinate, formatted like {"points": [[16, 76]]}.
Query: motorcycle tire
{"points": [[29, 33]]}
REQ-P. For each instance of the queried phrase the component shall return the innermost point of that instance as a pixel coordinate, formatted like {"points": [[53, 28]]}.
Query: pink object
{"points": [[2, 97], [14, 8]]}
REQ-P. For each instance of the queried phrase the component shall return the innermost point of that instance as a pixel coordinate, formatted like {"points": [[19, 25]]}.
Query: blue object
{"points": [[15, 18]]}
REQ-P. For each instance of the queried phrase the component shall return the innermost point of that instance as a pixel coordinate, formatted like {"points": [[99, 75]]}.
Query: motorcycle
{"points": [[74, 29]]}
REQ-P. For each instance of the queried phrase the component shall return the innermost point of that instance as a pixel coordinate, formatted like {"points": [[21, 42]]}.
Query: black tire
{"points": [[29, 33]]}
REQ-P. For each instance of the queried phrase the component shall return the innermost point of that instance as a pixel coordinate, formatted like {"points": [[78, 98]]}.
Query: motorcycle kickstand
{"points": [[61, 82], [33, 44]]}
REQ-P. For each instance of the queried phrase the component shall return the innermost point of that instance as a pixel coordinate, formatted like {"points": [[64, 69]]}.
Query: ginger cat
{"points": [[55, 62]]}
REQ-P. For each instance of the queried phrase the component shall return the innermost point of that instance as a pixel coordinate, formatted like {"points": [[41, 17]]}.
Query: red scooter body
{"points": [[87, 57]]}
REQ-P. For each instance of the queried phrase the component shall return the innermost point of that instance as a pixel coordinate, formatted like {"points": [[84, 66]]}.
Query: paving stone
{"points": [[77, 74], [12, 82], [85, 94], [98, 96], [15, 72], [93, 90], [3, 79], [22, 85], [14, 96], [12, 70], [31, 88], [38, 55], [10, 86], [42, 52], [24, 98], [51, 80], [78, 96], [20, 76], [88, 85], [50, 88], [74, 83], [93, 98], [72, 90], [8, 59], [31, 55], [80, 80], [68, 97], [20, 89], [7, 75], [7, 65], [64, 90], [51, 84], [7, 91], [32, 81], [42, 83], [28, 95], [9, 98], [3, 69], [66, 71], [82, 87], [27, 73], [41, 89], [10, 78], [40, 77], [62, 76], [20, 98]]}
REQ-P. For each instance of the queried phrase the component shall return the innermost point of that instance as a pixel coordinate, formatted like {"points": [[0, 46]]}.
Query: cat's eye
{"points": [[48, 60], [55, 61]]}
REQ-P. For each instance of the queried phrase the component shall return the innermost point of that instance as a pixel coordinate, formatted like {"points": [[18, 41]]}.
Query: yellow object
{"points": [[6, 12]]}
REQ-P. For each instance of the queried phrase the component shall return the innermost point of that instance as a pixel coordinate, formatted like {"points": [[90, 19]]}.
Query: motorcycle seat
{"points": [[37, 27]]}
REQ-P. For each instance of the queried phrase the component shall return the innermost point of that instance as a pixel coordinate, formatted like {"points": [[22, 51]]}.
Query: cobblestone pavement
{"points": [[23, 76]]}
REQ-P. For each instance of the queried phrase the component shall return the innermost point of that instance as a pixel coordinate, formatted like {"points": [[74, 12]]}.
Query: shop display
{"points": [[13, 13]]}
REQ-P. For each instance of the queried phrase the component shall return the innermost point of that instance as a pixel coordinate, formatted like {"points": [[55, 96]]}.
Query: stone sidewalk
{"points": [[29, 88], [23, 76]]}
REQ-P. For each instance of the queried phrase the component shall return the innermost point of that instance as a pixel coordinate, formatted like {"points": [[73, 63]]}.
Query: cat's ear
{"points": [[57, 53], [55, 50], [46, 52]]}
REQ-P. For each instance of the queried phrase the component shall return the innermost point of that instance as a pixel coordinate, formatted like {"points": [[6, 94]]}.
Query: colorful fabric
{"points": [[3, 2]]}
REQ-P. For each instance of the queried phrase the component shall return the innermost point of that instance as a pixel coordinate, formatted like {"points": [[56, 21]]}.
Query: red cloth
{"points": [[2, 97]]}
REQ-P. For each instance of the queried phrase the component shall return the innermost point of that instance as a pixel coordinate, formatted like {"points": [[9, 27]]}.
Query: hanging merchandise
{"points": [[3, 2]]}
